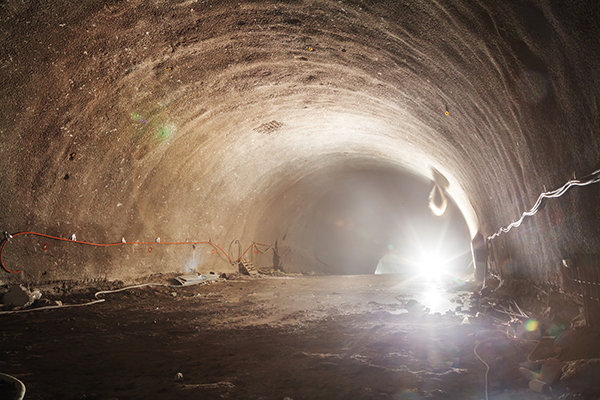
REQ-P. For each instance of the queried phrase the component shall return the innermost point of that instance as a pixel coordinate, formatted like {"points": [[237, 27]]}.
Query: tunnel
{"points": [[216, 121], [166, 137]]}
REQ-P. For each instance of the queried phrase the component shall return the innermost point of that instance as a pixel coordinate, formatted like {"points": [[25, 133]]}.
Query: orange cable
{"points": [[244, 253], [135, 243], [3, 267], [103, 245]]}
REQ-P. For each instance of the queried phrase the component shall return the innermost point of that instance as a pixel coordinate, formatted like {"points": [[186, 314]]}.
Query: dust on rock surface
{"points": [[302, 337]]}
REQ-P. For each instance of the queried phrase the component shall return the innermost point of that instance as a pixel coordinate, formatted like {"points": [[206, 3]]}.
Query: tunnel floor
{"points": [[309, 337]]}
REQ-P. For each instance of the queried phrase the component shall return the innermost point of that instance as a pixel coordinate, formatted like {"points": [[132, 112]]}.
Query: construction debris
{"points": [[20, 297], [545, 349], [581, 376], [539, 386], [551, 371], [194, 279]]}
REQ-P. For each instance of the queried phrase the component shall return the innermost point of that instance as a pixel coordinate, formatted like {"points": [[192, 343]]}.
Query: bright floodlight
{"points": [[431, 266]]}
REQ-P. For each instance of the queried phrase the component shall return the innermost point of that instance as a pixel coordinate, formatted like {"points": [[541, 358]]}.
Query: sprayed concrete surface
{"points": [[259, 120]]}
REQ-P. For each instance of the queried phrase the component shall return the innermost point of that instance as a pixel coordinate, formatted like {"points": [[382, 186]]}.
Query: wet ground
{"points": [[321, 337]]}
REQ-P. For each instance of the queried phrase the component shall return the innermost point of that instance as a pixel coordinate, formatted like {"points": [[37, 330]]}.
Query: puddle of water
{"points": [[437, 300]]}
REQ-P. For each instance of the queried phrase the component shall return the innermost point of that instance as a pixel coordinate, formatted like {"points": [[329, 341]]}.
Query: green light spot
{"points": [[136, 117], [531, 325], [165, 132]]}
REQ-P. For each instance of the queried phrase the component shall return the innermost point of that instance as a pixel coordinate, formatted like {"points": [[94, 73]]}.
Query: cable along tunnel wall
{"points": [[187, 124]]}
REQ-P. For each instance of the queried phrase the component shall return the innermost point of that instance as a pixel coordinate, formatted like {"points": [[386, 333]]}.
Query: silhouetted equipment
{"points": [[480, 256]]}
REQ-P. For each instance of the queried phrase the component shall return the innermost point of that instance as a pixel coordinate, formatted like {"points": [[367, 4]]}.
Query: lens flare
{"points": [[431, 266], [531, 325], [432, 298], [165, 132]]}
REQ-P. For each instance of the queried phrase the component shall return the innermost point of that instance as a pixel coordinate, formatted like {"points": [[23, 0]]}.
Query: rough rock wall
{"points": [[205, 119]]}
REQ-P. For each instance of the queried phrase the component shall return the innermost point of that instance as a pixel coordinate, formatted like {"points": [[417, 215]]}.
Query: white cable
{"points": [[52, 307], [593, 178], [16, 383], [84, 304], [130, 287], [137, 286], [91, 302], [487, 366]]}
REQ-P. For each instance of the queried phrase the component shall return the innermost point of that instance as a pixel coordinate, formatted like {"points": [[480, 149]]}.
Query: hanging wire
{"points": [[121, 243], [240, 255], [541, 201]]}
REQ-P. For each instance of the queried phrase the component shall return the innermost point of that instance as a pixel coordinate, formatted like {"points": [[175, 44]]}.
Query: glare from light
{"points": [[431, 266], [431, 298]]}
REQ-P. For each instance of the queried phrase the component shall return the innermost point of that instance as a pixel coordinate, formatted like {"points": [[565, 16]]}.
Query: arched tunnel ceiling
{"points": [[193, 119]]}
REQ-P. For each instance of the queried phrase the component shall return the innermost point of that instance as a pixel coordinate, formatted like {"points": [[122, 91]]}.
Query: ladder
{"points": [[246, 266]]}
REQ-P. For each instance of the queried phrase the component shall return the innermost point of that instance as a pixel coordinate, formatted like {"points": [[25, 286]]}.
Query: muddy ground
{"points": [[264, 338]]}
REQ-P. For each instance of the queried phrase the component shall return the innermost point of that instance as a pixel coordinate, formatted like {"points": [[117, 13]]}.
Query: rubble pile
{"points": [[563, 360]]}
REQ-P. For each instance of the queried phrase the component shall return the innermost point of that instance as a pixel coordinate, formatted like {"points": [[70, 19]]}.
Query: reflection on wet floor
{"points": [[433, 298], [351, 294], [438, 299], [281, 300]]}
